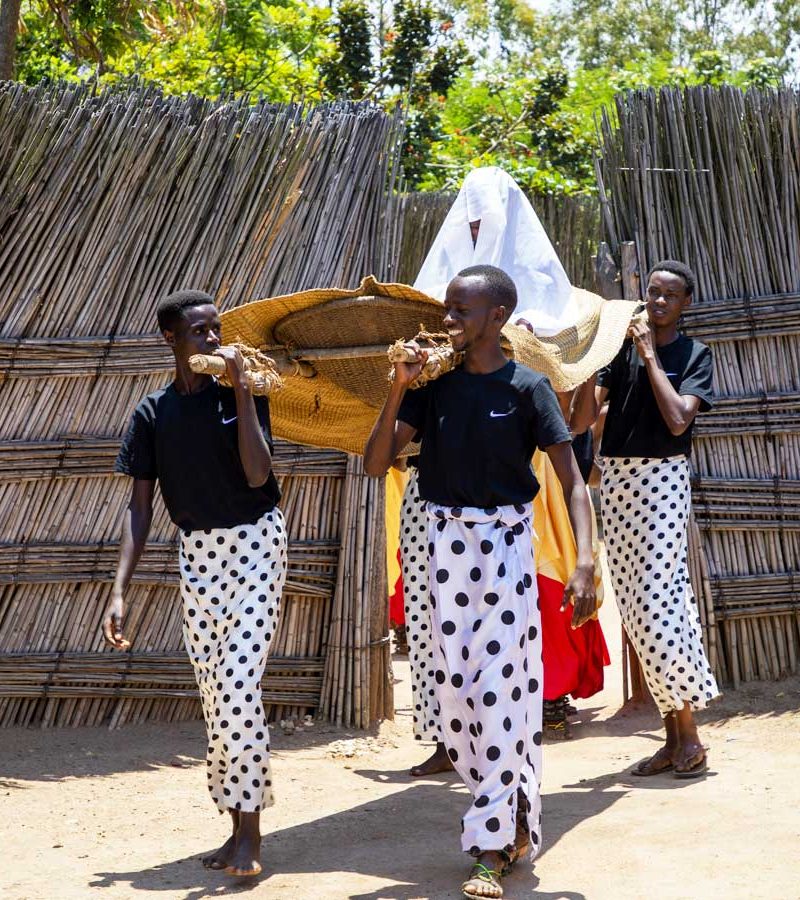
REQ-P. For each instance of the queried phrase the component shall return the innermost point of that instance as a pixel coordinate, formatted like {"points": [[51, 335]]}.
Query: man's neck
{"points": [[483, 359], [187, 381], [666, 335]]}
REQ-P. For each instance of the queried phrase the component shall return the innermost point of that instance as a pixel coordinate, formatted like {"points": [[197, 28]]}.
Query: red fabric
{"points": [[573, 659], [397, 615]]}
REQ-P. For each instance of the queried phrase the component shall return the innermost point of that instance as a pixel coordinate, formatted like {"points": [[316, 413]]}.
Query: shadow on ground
{"points": [[364, 841], [58, 753]]}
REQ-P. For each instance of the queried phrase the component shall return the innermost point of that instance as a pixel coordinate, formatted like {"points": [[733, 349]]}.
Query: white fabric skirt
{"points": [[231, 582], [416, 601], [488, 666], [645, 507]]}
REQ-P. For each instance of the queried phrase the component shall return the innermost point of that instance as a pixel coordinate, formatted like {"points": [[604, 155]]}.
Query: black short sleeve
{"points": [[698, 378], [609, 376], [550, 425], [137, 455], [262, 411], [414, 407]]}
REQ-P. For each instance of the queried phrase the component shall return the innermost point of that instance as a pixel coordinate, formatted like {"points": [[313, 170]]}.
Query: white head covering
{"points": [[511, 237]]}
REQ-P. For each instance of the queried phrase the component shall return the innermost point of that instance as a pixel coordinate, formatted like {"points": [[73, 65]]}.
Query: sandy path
{"points": [[91, 813]]}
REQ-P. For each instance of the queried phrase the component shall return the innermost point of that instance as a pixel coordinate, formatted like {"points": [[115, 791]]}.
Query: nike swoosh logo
{"points": [[228, 421], [500, 415]]}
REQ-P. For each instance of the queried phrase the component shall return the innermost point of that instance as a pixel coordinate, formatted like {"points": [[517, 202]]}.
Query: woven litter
{"points": [[344, 334]]}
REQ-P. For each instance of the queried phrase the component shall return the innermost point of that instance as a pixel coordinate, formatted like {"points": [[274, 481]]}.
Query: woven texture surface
{"points": [[338, 407]]}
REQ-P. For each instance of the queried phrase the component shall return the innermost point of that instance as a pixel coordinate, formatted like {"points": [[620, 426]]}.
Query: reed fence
{"points": [[108, 201], [712, 177]]}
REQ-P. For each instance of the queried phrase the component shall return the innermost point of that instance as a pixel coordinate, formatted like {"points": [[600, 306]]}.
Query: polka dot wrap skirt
{"points": [[231, 582], [416, 600], [645, 507], [488, 666]]}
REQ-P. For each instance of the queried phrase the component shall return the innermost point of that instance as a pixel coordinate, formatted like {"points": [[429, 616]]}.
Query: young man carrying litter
{"points": [[479, 426], [210, 449]]}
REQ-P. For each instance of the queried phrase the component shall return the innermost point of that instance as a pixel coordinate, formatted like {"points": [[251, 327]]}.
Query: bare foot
{"points": [[437, 762], [220, 859], [246, 858], [663, 760]]}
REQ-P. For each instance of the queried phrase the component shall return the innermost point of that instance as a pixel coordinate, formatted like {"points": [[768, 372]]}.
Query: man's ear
{"points": [[687, 301], [169, 337], [500, 315]]}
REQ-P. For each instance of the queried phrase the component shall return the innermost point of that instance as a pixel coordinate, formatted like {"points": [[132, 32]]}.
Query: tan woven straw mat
{"points": [[344, 335]]}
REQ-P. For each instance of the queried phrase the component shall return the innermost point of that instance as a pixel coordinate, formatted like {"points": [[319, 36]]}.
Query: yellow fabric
{"points": [[553, 542], [395, 486]]}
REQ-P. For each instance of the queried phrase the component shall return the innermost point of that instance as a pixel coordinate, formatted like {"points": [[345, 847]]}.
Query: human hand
{"points": [[642, 335], [406, 372], [581, 592], [234, 363], [112, 623]]}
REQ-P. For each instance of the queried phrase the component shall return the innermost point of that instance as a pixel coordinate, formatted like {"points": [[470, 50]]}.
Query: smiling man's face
{"points": [[470, 313], [667, 298]]}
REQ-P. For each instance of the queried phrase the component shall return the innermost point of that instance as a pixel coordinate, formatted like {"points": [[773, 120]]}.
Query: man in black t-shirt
{"points": [[210, 449], [479, 426], [655, 388]]}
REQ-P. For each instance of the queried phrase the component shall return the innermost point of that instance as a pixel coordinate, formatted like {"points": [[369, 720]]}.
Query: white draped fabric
{"points": [[510, 237]]}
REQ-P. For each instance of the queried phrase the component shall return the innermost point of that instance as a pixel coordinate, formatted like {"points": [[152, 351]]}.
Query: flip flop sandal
{"points": [[243, 873], [484, 875], [698, 769], [637, 769]]}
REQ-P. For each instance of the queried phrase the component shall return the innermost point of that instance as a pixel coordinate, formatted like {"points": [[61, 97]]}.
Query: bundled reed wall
{"points": [[712, 177], [107, 202], [571, 223]]}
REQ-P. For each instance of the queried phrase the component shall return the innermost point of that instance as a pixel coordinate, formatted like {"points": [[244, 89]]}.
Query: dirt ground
{"points": [[91, 813]]}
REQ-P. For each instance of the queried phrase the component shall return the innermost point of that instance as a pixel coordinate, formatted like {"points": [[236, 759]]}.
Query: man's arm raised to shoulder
{"points": [[389, 435], [677, 410], [581, 583], [253, 449], [135, 530]]}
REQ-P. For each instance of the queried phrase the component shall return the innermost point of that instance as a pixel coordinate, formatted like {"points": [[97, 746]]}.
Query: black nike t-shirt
{"points": [[190, 444], [634, 425], [479, 433]]}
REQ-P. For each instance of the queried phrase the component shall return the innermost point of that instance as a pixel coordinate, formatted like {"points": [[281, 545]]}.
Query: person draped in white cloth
{"points": [[491, 222], [209, 448], [479, 426], [655, 387]]}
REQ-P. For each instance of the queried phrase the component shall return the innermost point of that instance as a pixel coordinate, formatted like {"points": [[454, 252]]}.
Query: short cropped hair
{"points": [[676, 268], [501, 287], [170, 309]]}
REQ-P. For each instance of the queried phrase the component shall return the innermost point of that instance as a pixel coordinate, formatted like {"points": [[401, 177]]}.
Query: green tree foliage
{"points": [[483, 82], [350, 70], [209, 47]]}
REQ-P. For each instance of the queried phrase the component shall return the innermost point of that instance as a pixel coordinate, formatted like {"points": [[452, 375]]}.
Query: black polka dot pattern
{"points": [[416, 601], [229, 621], [487, 658], [645, 508]]}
